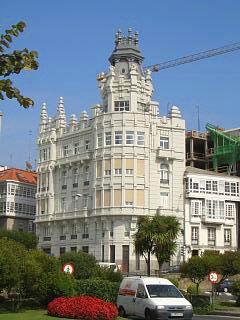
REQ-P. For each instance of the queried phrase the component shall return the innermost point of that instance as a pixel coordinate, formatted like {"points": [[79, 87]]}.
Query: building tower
{"points": [[106, 171]]}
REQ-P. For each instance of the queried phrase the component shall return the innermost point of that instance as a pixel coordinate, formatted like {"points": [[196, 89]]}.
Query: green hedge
{"points": [[102, 289]]}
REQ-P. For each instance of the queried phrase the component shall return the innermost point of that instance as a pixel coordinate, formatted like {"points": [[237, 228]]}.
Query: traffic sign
{"points": [[68, 268], [213, 277]]}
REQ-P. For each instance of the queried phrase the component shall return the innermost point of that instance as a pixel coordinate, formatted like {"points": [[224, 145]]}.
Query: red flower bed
{"points": [[83, 307]]}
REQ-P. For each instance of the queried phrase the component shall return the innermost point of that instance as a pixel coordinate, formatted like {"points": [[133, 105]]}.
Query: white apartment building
{"points": [[97, 175], [17, 199], [211, 207]]}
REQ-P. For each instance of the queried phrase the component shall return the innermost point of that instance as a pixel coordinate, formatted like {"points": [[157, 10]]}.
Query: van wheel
{"points": [[122, 312], [148, 315]]}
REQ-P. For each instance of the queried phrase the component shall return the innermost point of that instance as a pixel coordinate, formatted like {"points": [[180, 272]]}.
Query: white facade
{"points": [[211, 207], [97, 175], [17, 199]]}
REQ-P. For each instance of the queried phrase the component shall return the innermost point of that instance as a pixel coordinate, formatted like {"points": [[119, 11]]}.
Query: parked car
{"points": [[225, 286]]}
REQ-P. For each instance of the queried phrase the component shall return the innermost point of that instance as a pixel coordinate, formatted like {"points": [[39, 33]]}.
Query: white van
{"points": [[152, 298]]}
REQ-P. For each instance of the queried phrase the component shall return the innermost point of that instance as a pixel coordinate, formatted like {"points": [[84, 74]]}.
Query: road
{"points": [[208, 317]]}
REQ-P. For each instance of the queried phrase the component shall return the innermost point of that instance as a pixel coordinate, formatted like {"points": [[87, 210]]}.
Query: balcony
{"points": [[46, 238], [166, 153], [213, 219]]}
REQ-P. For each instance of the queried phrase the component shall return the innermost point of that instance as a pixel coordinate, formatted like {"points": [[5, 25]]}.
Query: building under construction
{"points": [[217, 150]]}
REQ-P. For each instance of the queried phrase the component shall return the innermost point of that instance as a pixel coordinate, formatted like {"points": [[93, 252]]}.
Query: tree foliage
{"points": [[13, 63], [13, 257], [28, 239], [156, 235], [84, 263], [195, 269]]}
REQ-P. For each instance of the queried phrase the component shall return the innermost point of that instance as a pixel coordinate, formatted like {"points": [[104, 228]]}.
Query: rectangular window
{"points": [[117, 197], [118, 166], [121, 105], [107, 168], [129, 137], [141, 107], [140, 198], [195, 235], [129, 166], [106, 198], [99, 168], [140, 138], [98, 198], [65, 150], [108, 138], [99, 140], [129, 197], [196, 207], [76, 148], [118, 137], [233, 189], [211, 236], [164, 172], [85, 249], [112, 253], [230, 210], [214, 186], [86, 145], [164, 200], [164, 142], [208, 186], [140, 167], [227, 188], [63, 204], [227, 237]]}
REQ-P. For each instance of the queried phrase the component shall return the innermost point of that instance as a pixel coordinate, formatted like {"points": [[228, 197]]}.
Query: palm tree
{"points": [[143, 240], [156, 235]]}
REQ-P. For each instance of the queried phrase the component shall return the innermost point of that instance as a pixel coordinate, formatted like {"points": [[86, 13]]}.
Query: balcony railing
{"points": [[216, 219], [46, 238]]}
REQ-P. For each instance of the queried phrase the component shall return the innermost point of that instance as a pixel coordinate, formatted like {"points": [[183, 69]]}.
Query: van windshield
{"points": [[163, 291]]}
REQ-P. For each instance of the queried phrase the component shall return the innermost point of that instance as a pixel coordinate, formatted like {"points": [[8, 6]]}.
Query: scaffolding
{"points": [[226, 151]]}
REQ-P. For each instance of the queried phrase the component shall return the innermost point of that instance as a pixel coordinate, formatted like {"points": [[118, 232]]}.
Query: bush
{"points": [[101, 289], [52, 285], [105, 273], [236, 291], [84, 263], [192, 289], [83, 307]]}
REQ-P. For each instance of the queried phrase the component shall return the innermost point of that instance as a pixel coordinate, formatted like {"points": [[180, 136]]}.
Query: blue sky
{"points": [[75, 38]]}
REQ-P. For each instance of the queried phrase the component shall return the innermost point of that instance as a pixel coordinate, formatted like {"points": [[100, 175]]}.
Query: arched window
{"points": [[164, 172]]}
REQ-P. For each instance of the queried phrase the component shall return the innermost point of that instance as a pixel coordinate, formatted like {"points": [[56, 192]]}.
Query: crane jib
{"points": [[194, 57]]}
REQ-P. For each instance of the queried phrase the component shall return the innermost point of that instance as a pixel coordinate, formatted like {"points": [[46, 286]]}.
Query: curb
{"points": [[225, 313]]}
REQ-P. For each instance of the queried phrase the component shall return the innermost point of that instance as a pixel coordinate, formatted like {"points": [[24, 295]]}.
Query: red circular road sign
{"points": [[68, 268], [213, 277]]}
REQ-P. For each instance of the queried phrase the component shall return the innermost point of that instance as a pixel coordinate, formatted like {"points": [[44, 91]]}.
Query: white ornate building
{"points": [[97, 175], [211, 211]]}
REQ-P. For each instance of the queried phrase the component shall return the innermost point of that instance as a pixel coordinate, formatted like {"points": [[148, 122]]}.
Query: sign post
{"points": [[213, 277], [68, 268]]}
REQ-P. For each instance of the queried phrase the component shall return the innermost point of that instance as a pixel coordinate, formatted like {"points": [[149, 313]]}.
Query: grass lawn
{"points": [[30, 315]]}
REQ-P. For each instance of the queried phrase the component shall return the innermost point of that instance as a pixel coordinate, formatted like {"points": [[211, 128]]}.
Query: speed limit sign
{"points": [[214, 277]]}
